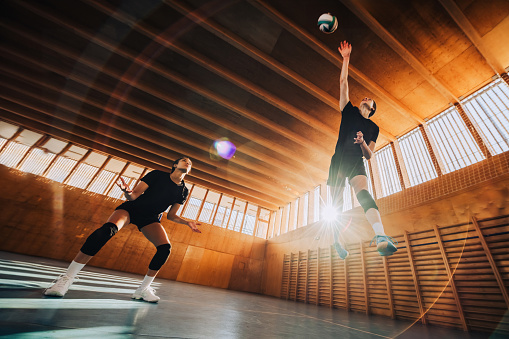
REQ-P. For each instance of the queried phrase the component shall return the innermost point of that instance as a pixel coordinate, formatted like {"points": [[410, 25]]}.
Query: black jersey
{"points": [[347, 158], [161, 193], [352, 122]]}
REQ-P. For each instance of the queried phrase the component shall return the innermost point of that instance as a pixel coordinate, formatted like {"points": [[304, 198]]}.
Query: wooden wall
{"points": [[451, 201], [447, 271], [47, 219], [455, 276], [43, 218]]}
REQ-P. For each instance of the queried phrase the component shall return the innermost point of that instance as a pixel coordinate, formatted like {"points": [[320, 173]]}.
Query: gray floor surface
{"points": [[98, 305]]}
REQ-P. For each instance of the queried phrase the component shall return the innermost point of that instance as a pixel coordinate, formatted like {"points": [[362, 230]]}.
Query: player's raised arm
{"points": [[345, 49]]}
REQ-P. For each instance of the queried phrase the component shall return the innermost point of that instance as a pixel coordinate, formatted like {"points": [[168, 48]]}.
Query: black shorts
{"points": [[342, 168], [137, 216]]}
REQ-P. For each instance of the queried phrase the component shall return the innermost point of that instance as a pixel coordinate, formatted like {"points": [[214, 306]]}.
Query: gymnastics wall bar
{"points": [[453, 276]]}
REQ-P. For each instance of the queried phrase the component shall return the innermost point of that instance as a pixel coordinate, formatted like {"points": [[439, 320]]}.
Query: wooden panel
{"points": [[356, 288], [452, 283], [339, 286], [292, 281], [364, 277], [215, 269], [301, 290], [405, 277], [324, 282], [312, 277], [441, 276], [54, 222], [285, 276], [191, 264]]}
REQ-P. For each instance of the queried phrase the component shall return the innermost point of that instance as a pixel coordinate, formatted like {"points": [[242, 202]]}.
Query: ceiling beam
{"points": [[165, 40], [290, 172], [172, 76], [235, 41], [263, 58], [464, 24], [65, 94], [155, 163], [335, 59], [145, 141], [396, 46], [158, 154]]}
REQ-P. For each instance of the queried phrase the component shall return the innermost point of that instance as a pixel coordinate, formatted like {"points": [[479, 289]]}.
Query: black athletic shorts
{"points": [[340, 169], [137, 217]]}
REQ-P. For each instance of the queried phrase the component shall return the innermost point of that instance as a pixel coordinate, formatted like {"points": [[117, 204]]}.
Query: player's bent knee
{"points": [[99, 238], [366, 200], [159, 259]]}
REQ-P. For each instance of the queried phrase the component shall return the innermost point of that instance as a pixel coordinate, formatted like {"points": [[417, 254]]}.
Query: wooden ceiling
{"points": [[150, 80]]}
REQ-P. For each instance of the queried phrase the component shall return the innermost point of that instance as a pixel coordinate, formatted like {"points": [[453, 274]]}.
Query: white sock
{"points": [[378, 228], [146, 282], [73, 269]]}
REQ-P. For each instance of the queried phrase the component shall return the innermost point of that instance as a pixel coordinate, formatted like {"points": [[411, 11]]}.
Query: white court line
{"points": [[21, 265], [78, 304], [81, 279], [17, 284], [103, 332]]}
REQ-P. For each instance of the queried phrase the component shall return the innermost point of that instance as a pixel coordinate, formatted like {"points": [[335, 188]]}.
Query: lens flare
{"points": [[224, 148], [330, 213]]}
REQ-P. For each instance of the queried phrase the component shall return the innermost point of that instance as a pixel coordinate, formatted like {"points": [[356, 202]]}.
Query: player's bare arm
{"points": [[172, 215], [131, 194], [367, 150], [344, 49]]}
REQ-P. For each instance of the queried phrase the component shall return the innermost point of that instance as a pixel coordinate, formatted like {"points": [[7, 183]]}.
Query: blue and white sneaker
{"points": [[385, 245], [341, 251]]}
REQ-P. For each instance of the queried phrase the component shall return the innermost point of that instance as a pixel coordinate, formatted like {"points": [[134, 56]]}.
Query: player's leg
{"points": [[385, 244], [336, 195], [92, 245], [336, 183], [156, 234], [99, 238]]}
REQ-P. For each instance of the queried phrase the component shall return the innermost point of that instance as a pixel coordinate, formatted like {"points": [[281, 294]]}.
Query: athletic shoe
{"points": [[60, 286], [341, 251], [385, 245], [146, 294]]}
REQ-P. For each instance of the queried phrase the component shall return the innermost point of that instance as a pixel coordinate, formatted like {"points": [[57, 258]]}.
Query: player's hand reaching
{"points": [[359, 139], [192, 226], [123, 186], [345, 49]]}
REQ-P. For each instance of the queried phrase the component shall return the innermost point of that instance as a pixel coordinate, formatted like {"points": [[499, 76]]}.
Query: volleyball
{"points": [[327, 23]]}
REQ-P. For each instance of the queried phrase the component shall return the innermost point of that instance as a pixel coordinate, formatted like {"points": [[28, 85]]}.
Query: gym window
{"points": [[416, 157], [489, 110], [456, 146], [387, 169]]}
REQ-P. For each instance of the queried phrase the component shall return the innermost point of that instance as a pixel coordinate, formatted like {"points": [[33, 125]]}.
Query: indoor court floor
{"points": [[98, 305]]}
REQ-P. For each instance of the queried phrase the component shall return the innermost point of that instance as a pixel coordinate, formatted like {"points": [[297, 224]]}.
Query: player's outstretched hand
{"points": [[359, 139], [345, 49], [123, 185], [193, 227]]}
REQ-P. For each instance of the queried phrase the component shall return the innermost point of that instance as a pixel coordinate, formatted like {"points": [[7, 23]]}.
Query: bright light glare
{"points": [[225, 148], [330, 213]]}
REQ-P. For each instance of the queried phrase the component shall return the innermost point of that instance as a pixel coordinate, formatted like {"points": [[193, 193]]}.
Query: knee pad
{"points": [[162, 254], [366, 200], [99, 238]]}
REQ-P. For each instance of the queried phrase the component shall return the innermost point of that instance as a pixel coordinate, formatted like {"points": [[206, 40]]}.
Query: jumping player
{"points": [[357, 138], [144, 207]]}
